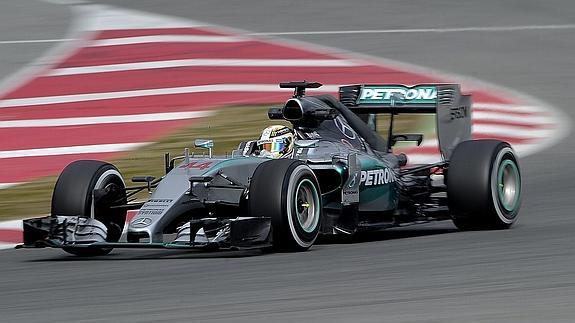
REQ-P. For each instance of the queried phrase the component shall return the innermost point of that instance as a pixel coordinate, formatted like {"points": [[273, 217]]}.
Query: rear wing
{"points": [[452, 109]]}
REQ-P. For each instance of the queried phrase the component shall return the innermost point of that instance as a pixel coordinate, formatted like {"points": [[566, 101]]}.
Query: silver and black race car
{"points": [[341, 178]]}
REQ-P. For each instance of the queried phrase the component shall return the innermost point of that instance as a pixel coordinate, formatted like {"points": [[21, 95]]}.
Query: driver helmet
{"points": [[276, 141]]}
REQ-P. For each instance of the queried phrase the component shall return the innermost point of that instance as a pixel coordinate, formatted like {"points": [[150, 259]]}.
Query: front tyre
{"points": [[287, 191], [74, 196], [484, 185]]}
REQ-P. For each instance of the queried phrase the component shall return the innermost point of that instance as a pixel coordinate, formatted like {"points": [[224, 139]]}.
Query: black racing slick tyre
{"points": [[73, 196], [484, 185], [288, 192]]}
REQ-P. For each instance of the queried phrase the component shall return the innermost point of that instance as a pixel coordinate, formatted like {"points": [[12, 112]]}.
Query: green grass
{"points": [[227, 128]]}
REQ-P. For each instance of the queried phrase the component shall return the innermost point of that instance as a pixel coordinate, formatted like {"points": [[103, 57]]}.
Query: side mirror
{"points": [[413, 137], [275, 113], [144, 179], [206, 144]]}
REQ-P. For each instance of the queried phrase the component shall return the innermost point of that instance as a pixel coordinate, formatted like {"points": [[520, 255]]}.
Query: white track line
{"points": [[7, 185], [505, 130], [521, 149], [502, 116], [48, 59], [163, 91], [508, 107], [11, 225], [4, 246], [167, 38], [429, 158], [130, 118], [66, 2], [423, 158], [34, 41], [72, 150], [421, 30], [96, 17], [204, 62]]}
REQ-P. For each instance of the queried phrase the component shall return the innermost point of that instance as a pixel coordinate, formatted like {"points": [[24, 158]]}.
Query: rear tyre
{"points": [[287, 191], [484, 185], [73, 196]]}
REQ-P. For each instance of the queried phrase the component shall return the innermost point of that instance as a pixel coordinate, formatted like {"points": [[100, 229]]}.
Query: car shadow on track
{"points": [[132, 255], [373, 236], [421, 230]]}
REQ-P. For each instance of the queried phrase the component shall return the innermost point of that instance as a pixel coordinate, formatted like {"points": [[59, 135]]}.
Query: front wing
{"points": [[207, 233]]}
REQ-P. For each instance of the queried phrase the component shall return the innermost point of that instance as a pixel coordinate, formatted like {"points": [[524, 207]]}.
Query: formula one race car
{"points": [[341, 177]]}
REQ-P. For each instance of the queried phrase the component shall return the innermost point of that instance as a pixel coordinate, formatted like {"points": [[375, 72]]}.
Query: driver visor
{"points": [[273, 146]]}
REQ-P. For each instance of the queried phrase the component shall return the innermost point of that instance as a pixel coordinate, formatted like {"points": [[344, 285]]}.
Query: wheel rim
{"points": [[113, 219], [508, 184], [306, 202], [102, 182]]}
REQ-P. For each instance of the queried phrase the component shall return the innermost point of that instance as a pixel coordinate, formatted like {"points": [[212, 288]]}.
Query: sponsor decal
{"points": [[159, 201], [198, 165], [248, 147], [350, 192], [281, 131], [266, 133], [344, 128], [151, 208], [458, 113], [274, 131], [346, 143], [380, 94], [376, 177], [312, 135], [151, 212], [352, 182], [141, 222]]}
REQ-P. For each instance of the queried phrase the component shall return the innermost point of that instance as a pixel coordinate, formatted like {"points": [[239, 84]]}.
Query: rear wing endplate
{"points": [[452, 109]]}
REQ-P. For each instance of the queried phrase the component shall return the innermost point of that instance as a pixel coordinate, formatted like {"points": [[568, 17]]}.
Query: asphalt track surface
{"points": [[428, 274]]}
